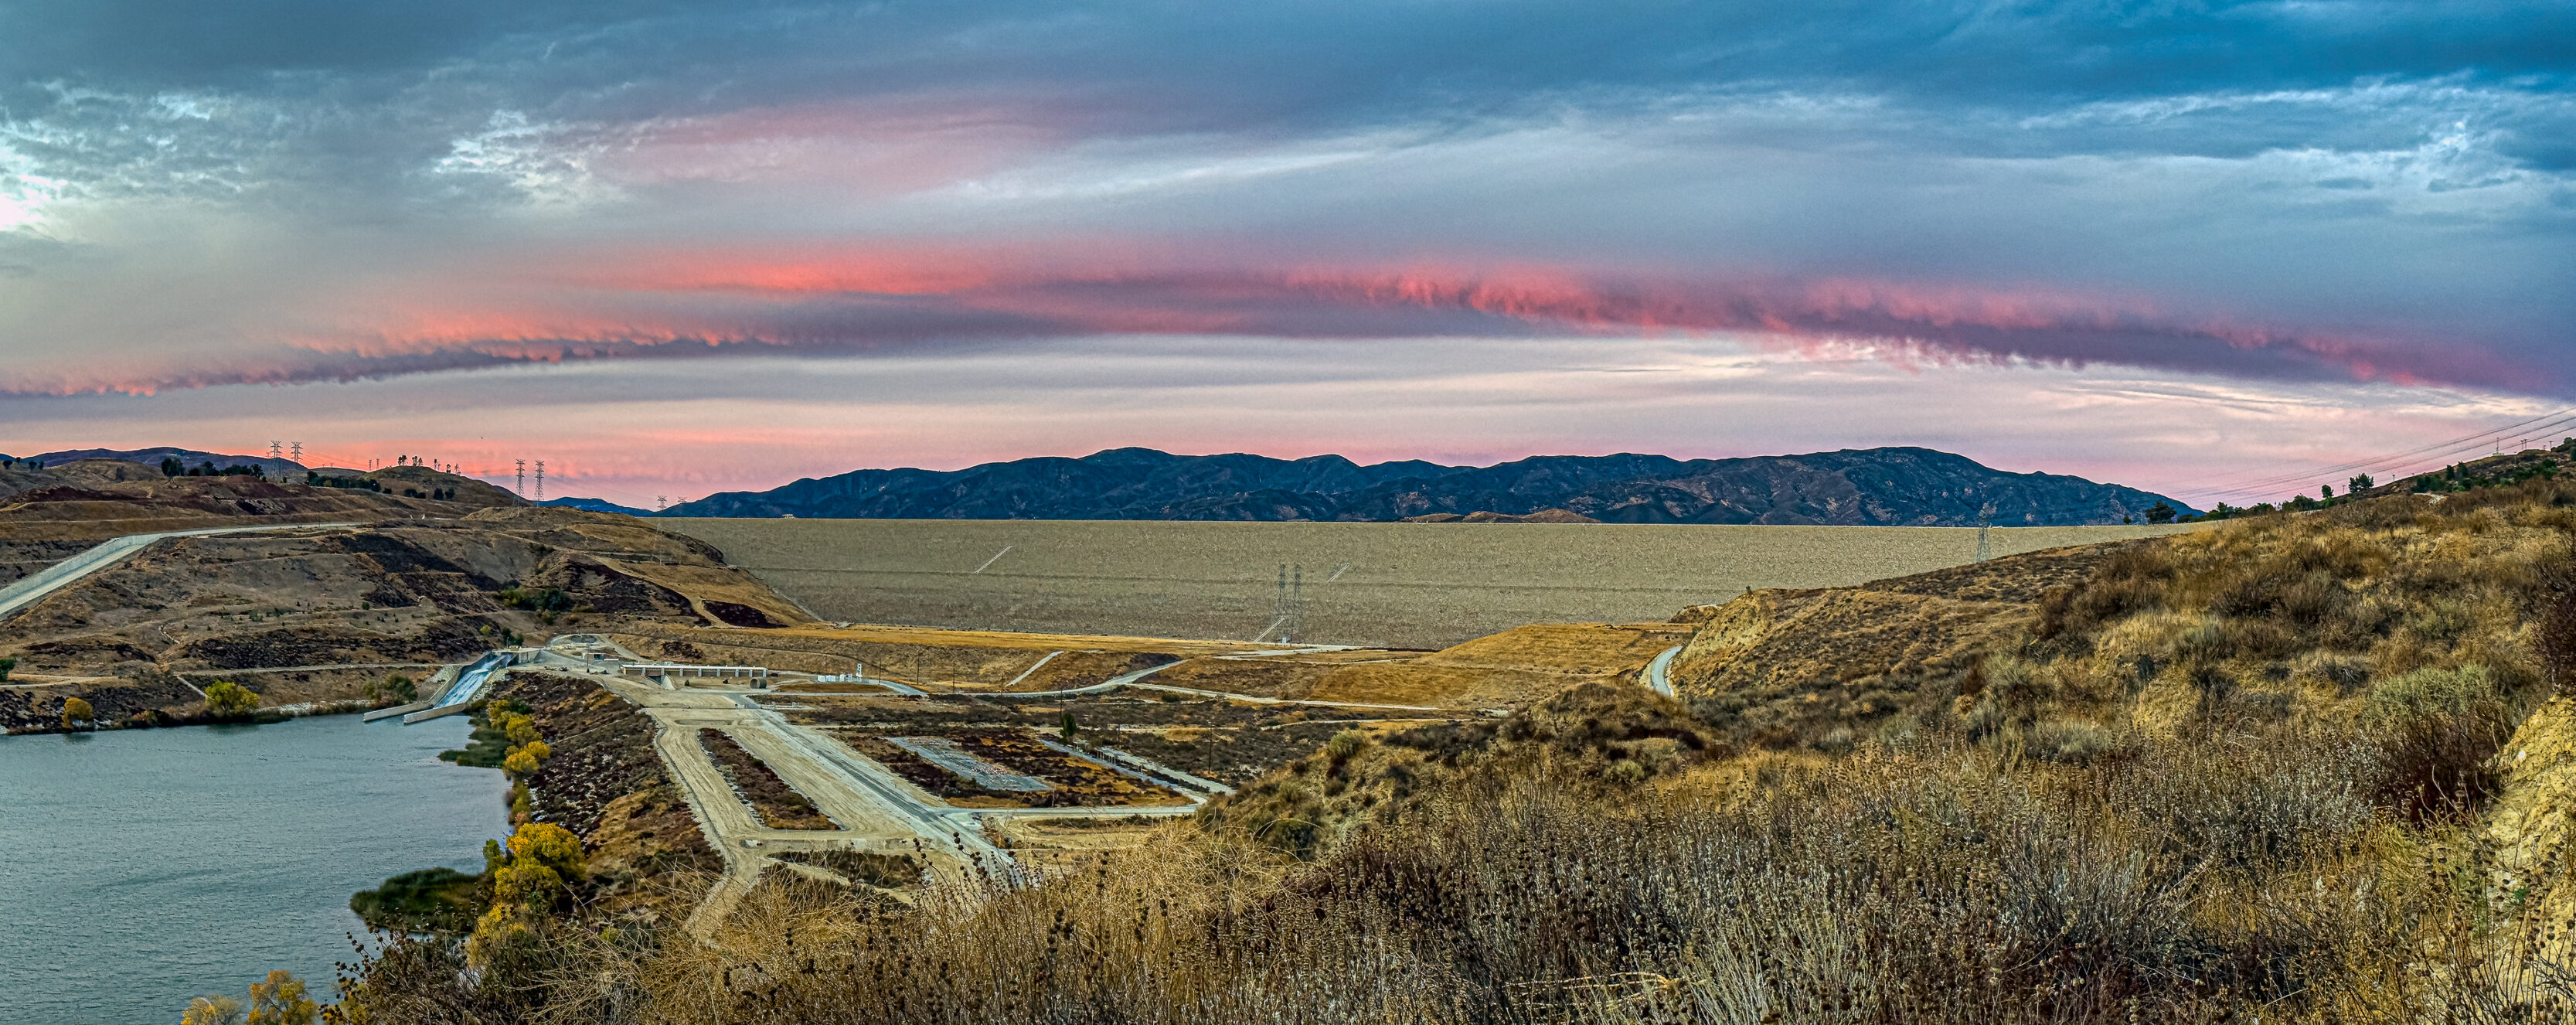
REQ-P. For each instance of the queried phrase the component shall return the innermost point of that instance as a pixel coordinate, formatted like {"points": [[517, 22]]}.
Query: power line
{"points": [[2549, 422], [2544, 424]]}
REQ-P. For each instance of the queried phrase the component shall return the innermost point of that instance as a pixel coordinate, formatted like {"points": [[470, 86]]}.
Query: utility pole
{"points": [[541, 480]]}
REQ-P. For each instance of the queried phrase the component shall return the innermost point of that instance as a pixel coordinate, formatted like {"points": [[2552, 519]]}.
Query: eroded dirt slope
{"points": [[398, 595]]}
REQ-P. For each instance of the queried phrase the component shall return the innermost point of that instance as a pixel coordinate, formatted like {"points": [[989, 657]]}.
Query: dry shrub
{"points": [[2438, 731], [2069, 741], [2190, 881], [2028, 862], [2553, 617]]}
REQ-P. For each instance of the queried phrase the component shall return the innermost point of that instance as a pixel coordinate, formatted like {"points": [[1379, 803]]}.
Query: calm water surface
{"points": [[141, 868]]}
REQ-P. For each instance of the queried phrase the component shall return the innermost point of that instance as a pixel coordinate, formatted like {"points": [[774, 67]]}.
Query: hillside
{"points": [[1853, 487], [352, 584], [2291, 768], [153, 457]]}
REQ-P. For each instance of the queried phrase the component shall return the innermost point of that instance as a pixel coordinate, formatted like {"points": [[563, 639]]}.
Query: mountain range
{"points": [[1902, 486], [596, 505]]}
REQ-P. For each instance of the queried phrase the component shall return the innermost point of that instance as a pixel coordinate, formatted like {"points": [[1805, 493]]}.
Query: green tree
{"points": [[78, 710], [2359, 482], [216, 1010], [2160, 513], [7, 664], [281, 1001], [228, 700]]}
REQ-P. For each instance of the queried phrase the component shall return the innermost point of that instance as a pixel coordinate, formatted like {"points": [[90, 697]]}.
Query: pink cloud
{"points": [[818, 299]]}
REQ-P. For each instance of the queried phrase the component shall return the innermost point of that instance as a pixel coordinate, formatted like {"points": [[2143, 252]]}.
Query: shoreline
{"points": [[157, 719]]}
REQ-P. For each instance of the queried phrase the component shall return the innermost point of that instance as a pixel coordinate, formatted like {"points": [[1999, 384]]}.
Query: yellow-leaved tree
{"points": [[228, 700], [524, 759], [216, 1010], [281, 1001], [542, 859], [77, 710]]}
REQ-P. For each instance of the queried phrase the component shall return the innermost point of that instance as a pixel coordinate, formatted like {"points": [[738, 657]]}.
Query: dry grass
{"points": [[2242, 776], [2207, 881]]}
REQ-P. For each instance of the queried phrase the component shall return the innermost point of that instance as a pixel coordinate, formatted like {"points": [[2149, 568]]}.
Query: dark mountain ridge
{"points": [[1878, 487], [595, 505]]}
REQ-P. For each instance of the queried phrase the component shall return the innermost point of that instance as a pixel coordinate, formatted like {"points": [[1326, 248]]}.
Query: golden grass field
{"points": [[1410, 585]]}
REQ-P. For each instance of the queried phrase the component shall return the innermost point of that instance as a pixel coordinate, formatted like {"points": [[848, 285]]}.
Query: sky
{"points": [[675, 247]]}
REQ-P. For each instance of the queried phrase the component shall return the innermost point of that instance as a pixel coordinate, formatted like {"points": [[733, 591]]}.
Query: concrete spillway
{"points": [[470, 683]]}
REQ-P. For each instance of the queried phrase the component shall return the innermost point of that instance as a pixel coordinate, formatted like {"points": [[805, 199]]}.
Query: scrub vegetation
{"points": [[2298, 768]]}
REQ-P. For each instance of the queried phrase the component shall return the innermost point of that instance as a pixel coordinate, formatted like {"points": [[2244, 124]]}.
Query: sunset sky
{"points": [[675, 247]]}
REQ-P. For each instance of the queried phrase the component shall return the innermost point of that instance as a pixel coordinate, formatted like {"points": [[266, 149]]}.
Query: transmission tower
{"points": [[1296, 602], [523, 477], [660, 503], [1985, 521], [1289, 609], [299, 451], [273, 448], [541, 480]]}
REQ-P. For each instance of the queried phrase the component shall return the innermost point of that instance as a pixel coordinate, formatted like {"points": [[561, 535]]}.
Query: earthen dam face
{"points": [[1406, 585]]}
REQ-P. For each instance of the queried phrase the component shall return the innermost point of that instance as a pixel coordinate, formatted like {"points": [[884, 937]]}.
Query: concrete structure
{"points": [[666, 672]]}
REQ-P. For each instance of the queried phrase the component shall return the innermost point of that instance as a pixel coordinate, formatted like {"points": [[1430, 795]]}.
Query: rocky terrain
{"points": [[604, 782], [1883, 486]]}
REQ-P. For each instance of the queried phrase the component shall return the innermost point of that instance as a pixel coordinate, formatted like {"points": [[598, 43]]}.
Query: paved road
{"points": [[35, 586], [1655, 676], [870, 806], [1136, 680]]}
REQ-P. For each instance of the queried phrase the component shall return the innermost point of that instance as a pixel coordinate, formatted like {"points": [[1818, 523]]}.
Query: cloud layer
{"points": [[290, 192]]}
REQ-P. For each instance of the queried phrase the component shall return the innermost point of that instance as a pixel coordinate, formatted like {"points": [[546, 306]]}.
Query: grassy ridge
{"points": [[2246, 775]]}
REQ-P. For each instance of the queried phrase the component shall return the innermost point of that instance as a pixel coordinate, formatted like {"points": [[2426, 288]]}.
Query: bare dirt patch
{"points": [[779, 805]]}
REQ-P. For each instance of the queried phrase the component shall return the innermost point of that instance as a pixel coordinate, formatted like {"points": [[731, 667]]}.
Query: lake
{"points": [[140, 868]]}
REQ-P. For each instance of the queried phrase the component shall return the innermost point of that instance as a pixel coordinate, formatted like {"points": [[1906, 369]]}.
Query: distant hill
{"points": [[189, 456], [596, 505], [1880, 486]]}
